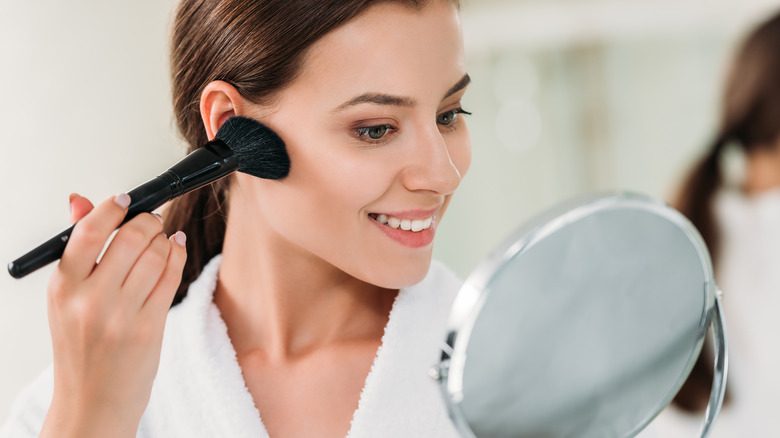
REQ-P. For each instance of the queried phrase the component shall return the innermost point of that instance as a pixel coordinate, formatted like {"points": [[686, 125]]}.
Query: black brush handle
{"points": [[201, 167], [145, 197]]}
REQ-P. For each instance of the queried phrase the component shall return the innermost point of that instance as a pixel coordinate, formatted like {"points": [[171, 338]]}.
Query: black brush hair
{"points": [[258, 149]]}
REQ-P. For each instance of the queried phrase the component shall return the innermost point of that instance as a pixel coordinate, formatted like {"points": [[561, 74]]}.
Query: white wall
{"points": [[84, 107]]}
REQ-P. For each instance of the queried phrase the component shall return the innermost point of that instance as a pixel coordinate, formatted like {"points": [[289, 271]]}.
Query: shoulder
{"points": [[30, 408], [735, 209]]}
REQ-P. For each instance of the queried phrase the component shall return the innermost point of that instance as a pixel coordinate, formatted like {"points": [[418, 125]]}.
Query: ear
{"points": [[218, 102]]}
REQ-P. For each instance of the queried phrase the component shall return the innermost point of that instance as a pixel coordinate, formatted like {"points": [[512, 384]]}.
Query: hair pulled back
{"points": [[750, 119], [257, 46]]}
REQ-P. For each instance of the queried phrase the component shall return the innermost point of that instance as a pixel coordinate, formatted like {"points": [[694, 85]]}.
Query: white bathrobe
{"points": [[200, 391]]}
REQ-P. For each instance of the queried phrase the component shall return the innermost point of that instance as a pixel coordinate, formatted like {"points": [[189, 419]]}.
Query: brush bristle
{"points": [[259, 150]]}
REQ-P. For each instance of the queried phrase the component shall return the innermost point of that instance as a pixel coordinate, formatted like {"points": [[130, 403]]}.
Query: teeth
{"points": [[394, 222], [415, 225]]}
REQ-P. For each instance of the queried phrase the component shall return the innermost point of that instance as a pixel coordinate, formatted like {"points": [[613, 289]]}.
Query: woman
{"points": [[738, 212], [306, 306]]}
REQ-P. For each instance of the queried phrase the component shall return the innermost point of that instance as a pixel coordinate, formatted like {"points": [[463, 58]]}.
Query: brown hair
{"points": [[750, 119], [259, 47]]}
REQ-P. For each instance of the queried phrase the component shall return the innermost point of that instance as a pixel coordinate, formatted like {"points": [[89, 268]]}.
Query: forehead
{"points": [[390, 48]]}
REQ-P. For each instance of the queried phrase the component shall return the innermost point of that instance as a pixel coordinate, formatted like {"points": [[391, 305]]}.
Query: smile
{"points": [[414, 225]]}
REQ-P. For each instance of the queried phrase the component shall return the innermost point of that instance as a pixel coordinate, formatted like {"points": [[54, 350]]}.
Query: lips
{"points": [[413, 229]]}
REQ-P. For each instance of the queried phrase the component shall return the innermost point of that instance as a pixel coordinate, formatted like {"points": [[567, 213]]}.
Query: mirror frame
{"points": [[473, 293]]}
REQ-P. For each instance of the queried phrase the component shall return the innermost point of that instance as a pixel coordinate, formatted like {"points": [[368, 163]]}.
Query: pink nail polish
{"points": [[122, 200], [180, 238]]}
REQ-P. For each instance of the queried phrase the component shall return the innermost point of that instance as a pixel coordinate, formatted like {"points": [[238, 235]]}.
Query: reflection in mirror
{"points": [[584, 323]]}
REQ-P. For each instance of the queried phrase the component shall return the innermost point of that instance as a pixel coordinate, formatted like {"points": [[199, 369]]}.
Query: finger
{"points": [[159, 301], [132, 239], [90, 235], [79, 207], [146, 272]]}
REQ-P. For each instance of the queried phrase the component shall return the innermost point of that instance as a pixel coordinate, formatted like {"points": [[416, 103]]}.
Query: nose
{"points": [[430, 165]]}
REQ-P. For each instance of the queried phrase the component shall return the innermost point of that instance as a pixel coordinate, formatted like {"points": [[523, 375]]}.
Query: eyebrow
{"points": [[390, 100], [462, 83]]}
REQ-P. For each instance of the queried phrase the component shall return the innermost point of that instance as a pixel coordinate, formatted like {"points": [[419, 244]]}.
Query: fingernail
{"points": [[159, 218], [122, 200], [180, 238]]}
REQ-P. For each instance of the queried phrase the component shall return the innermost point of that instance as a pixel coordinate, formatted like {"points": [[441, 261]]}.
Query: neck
{"points": [[763, 169], [283, 302]]}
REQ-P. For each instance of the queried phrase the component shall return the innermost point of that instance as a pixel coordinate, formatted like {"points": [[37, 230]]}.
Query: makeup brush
{"points": [[241, 144]]}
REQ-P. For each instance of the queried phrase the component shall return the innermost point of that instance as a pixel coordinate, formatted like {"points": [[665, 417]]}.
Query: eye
{"points": [[448, 117], [374, 134]]}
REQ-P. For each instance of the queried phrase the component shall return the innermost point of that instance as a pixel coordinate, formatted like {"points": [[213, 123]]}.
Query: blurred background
{"points": [[568, 96]]}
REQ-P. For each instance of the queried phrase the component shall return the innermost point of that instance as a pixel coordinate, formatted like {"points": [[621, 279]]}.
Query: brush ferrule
{"points": [[202, 166]]}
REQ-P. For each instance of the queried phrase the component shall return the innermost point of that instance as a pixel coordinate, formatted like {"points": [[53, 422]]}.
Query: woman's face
{"points": [[377, 141]]}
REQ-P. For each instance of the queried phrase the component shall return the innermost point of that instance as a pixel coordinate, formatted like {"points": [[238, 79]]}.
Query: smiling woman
{"points": [[308, 306]]}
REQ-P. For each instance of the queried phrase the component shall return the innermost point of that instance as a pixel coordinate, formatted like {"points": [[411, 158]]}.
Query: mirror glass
{"points": [[584, 323]]}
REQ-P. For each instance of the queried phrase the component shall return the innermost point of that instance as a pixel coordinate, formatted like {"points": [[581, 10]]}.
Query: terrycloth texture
{"points": [[200, 391], [749, 276]]}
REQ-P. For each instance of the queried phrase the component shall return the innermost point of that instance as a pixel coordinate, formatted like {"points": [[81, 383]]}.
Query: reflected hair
{"points": [[257, 46], [749, 119]]}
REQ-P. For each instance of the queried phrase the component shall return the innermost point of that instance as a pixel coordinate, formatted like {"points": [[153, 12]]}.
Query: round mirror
{"points": [[584, 323]]}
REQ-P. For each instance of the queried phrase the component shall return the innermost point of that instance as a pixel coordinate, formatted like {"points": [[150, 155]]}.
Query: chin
{"points": [[399, 275]]}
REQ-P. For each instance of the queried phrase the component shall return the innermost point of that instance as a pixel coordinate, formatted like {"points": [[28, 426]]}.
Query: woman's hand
{"points": [[107, 318]]}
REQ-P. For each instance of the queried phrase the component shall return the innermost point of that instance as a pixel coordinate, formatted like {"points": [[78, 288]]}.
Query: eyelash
{"points": [[363, 132], [453, 124]]}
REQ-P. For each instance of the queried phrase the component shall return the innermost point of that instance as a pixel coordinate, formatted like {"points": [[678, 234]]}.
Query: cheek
{"points": [[326, 195], [342, 183]]}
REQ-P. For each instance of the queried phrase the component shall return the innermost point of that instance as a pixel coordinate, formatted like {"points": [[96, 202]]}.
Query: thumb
{"points": [[79, 207]]}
